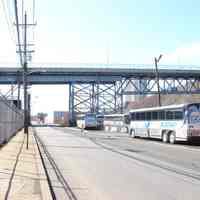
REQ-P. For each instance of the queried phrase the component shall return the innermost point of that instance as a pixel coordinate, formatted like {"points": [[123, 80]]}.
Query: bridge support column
{"points": [[72, 117], [93, 95], [97, 99]]}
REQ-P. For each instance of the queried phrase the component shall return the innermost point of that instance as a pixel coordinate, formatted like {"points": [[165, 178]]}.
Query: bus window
{"points": [[161, 115], [178, 114], [155, 115], [169, 115], [133, 116], [148, 116], [137, 117], [142, 116]]}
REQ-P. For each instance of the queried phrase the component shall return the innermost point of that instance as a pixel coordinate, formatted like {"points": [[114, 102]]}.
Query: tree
{"points": [[41, 116]]}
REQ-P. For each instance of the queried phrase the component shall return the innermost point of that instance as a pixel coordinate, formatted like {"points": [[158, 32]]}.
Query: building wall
{"points": [[61, 117]]}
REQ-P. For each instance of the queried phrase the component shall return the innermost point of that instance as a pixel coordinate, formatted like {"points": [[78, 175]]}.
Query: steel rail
{"points": [[45, 169], [56, 169]]}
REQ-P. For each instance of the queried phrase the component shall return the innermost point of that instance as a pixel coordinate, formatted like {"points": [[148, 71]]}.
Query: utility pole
{"points": [[25, 72], [29, 109], [25, 67], [18, 90], [157, 78], [23, 61]]}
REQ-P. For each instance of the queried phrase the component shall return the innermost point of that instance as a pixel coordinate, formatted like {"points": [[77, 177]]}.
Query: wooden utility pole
{"points": [[25, 82], [23, 60], [157, 78]]}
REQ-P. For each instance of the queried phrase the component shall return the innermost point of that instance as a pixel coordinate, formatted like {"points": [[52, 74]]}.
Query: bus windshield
{"points": [[193, 113]]}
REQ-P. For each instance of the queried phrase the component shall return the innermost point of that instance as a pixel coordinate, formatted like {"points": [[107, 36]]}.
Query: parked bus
{"points": [[90, 120], [169, 123], [117, 122]]}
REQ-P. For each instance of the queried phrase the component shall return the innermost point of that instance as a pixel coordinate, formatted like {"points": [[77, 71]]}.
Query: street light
{"points": [[157, 77], [26, 109]]}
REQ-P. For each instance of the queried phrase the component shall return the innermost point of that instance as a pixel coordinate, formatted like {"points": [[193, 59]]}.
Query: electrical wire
{"points": [[33, 18], [18, 33], [8, 21]]}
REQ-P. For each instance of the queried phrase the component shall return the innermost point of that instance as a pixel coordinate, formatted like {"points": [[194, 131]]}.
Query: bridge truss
{"points": [[110, 98], [94, 97]]}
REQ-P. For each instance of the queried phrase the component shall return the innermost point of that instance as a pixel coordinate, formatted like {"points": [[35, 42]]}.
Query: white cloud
{"points": [[185, 55]]}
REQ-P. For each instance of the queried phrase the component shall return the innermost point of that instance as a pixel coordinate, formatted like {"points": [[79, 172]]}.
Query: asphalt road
{"points": [[99, 165]]}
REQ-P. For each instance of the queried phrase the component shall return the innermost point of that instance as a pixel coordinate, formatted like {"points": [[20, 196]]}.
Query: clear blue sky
{"points": [[129, 31], [125, 26]]}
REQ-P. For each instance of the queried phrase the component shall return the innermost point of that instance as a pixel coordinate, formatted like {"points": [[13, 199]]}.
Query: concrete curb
{"points": [[45, 191]]}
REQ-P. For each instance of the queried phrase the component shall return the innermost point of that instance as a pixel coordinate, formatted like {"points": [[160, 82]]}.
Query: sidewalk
{"points": [[22, 176]]}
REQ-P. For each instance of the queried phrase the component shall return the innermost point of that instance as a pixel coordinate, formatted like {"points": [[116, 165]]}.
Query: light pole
{"points": [[157, 78]]}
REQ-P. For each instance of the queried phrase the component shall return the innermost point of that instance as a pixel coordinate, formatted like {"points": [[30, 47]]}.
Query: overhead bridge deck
{"points": [[90, 75]]}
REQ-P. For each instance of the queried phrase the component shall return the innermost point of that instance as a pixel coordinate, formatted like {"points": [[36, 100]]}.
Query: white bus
{"points": [[117, 122], [90, 120], [169, 123]]}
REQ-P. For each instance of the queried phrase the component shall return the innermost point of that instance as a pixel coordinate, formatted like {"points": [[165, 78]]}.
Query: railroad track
{"points": [[45, 153]]}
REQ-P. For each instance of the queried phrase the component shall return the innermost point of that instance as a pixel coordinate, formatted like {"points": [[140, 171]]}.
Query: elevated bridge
{"points": [[101, 88], [89, 75]]}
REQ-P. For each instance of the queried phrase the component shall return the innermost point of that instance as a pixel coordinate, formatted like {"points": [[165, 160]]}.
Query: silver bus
{"points": [[117, 122], [90, 120]]}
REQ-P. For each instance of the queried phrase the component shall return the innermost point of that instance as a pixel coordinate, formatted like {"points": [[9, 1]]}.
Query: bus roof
{"points": [[161, 107]]}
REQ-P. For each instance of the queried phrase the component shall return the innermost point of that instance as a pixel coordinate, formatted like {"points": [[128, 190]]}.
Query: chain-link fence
{"points": [[11, 119]]}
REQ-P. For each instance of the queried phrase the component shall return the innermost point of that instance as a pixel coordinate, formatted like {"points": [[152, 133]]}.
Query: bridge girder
{"points": [[167, 86], [109, 98]]}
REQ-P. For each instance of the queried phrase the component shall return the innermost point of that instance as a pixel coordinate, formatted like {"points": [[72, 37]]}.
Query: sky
{"points": [[105, 31], [128, 31]]}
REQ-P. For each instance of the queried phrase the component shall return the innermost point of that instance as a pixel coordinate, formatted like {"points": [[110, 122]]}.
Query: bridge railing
{"points": [[114, 65], [103, 65]]}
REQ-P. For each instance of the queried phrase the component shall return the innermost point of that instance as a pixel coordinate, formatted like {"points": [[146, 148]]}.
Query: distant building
{"points": [[61, 117], [140, 84]]}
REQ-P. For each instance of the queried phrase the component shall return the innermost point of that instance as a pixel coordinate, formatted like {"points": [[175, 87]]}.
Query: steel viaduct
{"points": [[101, 89]]}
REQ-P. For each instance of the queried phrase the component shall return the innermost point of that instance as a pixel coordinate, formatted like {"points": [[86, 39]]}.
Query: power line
{"points": [[18, 34], [33, 18], [8, 21], [33, 11]]}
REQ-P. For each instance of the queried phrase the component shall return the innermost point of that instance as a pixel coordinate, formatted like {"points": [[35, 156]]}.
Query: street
{"points": [[100, 165]]}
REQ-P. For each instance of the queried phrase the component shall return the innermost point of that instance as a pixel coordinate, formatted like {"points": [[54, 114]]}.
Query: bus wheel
{"points": [[132, 133], [165, 138], [172, 138]]}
